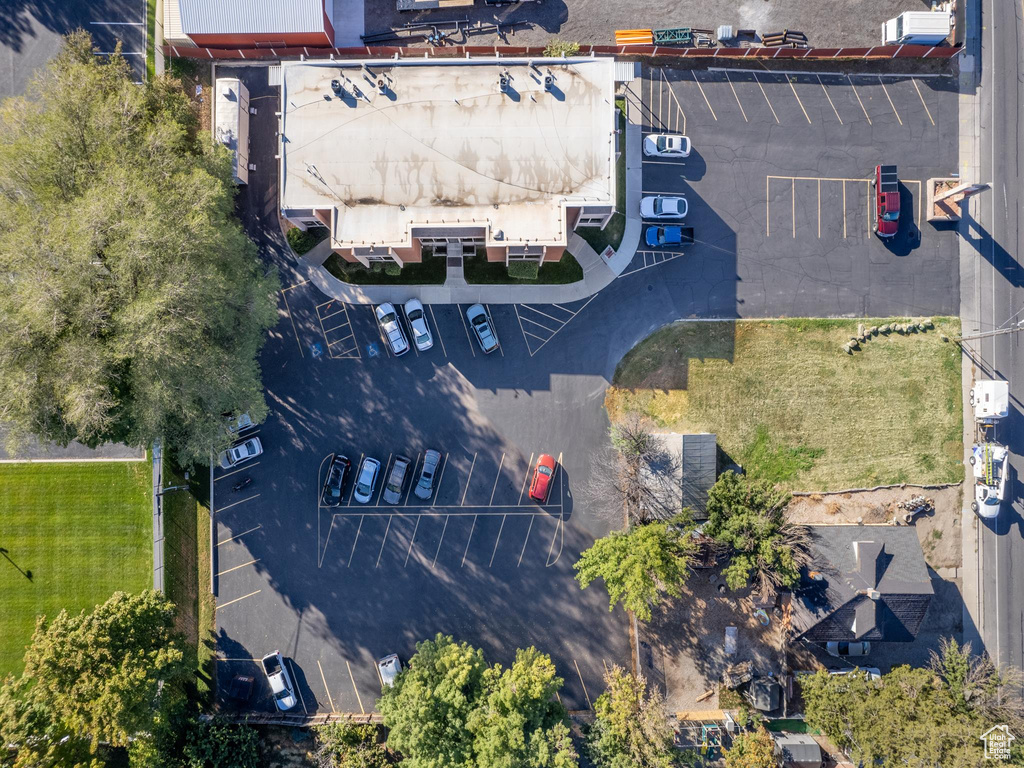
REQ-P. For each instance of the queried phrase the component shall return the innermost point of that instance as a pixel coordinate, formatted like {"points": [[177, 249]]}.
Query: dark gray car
{"points": [[396, 480], [425, 485]]}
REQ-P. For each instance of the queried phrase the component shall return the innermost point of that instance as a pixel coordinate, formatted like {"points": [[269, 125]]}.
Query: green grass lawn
{"points": [[81, 530], [788, 404], [479, 271], [433, 270]]}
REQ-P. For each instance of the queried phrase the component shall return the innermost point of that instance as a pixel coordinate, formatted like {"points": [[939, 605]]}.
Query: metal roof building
{"points": [[700, 471], [252, 23]]}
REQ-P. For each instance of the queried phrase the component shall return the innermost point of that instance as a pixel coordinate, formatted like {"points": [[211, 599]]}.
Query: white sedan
{"points": [[236, 454], [660, 207], [387, 318], [418, 323], [666, 145]]}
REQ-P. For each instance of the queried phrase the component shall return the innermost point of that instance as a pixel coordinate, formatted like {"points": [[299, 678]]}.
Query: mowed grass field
{"points": [[81, 531], [790, 405]]}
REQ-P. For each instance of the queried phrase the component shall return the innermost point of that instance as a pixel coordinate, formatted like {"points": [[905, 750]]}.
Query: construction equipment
{"points": [[634, 37], [677, 36], [710, 738]]}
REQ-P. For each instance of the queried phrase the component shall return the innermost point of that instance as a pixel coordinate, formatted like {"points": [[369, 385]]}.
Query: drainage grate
{"points": [[454, 261]]}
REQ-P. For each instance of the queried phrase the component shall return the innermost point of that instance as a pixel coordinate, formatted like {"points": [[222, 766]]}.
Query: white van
{"points": [[917, 28]]}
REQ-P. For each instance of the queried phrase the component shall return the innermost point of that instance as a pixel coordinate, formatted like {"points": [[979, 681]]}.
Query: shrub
{"points": [[561, 48], [392, 269], [303, 242], [523, 270]]}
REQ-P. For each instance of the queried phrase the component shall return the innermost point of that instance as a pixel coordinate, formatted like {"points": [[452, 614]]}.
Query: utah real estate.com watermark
{"points": [[997, 742]]}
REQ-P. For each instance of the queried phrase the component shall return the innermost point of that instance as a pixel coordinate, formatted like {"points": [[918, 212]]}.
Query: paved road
{"points": [[996, 609]]}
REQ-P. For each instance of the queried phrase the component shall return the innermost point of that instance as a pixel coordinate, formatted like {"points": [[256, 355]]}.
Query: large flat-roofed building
{"points": [[506, 154]]}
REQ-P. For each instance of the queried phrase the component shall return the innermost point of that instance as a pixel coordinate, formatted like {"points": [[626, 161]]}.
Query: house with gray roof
{"points": [[865, 583]]}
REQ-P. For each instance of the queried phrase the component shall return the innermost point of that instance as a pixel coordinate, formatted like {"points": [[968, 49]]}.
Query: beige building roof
{"points": [[443, 146]]}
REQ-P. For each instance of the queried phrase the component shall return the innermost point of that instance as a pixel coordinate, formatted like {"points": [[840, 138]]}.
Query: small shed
{"points": [[231, 123], [797, 750], [699, 471]]}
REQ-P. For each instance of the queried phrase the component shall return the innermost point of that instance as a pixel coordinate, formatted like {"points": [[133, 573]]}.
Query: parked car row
{"points": [[394, 333], [282, 686], [368, 477]]}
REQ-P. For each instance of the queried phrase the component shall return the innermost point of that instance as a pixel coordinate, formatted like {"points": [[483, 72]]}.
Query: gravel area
{"points": [[851, 23]]}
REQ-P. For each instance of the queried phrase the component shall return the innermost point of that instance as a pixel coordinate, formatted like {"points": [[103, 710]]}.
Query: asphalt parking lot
{"points": [[30, 34], [778, 180], [337, 588]]}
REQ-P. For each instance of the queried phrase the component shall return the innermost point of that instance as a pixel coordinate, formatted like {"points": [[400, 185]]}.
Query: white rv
{"points": [[991, 401], [917, 28]]}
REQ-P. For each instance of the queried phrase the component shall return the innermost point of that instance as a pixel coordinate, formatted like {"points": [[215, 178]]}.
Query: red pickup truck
{"points": [[887, 200]]}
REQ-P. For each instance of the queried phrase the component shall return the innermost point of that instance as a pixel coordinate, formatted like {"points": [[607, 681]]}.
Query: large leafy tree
{"points": [[98, 674], [450, 710], [747, 517], [641, 564], [752, 750], [133, 305], [428, 708], [925, 716], [32, 737], [631, 728], [519, 722]]}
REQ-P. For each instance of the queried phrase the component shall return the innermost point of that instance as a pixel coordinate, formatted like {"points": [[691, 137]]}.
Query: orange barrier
{"points": [[634, 37]]}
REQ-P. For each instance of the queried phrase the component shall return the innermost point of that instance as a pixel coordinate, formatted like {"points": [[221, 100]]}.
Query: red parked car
{"points": [[543, 473], [887, 200]]}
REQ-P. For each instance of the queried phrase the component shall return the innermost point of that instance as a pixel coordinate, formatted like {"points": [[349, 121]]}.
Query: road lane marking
{"points": [[235, 568], [495, 550], [497, 477], [329, 697], [890, 101], [354, 541], [589, 705], [766, 98], [472, 528], [384, 541], [736, 96], [705, 96], [926, 110], [439, 541], [353, 679], [830, 101], [469, 479], [230, 602], [854, 87], [523, 550], [793, 89]]}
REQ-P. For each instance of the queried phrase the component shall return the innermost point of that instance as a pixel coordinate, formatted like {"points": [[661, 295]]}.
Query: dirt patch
{"points": [[682, 649], [938, 530], [287, 747]]}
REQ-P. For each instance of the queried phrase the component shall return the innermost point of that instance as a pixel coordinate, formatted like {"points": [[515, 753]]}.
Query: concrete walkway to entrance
{"points": [[597, 272]]}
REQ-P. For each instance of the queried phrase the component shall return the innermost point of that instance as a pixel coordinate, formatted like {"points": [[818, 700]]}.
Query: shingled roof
{"points": [[864, 583]]}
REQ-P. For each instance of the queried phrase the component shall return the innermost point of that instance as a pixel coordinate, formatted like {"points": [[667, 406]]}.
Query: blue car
{"points": [[659, 236]]}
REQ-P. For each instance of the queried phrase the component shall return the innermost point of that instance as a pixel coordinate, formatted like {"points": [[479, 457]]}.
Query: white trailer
{"points": [[991, 401], [917, 28], [231, 123]]}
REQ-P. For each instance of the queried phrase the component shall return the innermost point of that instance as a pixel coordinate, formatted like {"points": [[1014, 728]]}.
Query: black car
{"points": [[337, 477]]}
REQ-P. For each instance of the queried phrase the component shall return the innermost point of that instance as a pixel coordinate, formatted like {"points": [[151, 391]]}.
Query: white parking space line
{"points": [[412, 540], [830, 101], [330, 529], [466, 329], [854, 87], [384, 540], [534, 322], [497, 477], [472, 528], [797, 97], [923, 104], [526, 479], [240, 501], [383, 480], [890, 101], [298, 688], [238, 535], [236, 471], [764, 93], [495, 550], [437, 486], [705, 96], [324, 679], [523, 550], [468, 480], [235, 568], [437, 330], [353, 679], [354, 541], [679, 108], [445, 528], [736, 96], [237, 599], [412, 481]]}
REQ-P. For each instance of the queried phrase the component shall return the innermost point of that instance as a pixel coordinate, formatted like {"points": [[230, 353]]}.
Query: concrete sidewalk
{"points": [[598, 273]]}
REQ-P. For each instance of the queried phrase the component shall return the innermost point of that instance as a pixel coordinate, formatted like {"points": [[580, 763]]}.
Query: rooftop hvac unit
{"points": [[549, 82], [381, 87], [503, 83]]}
